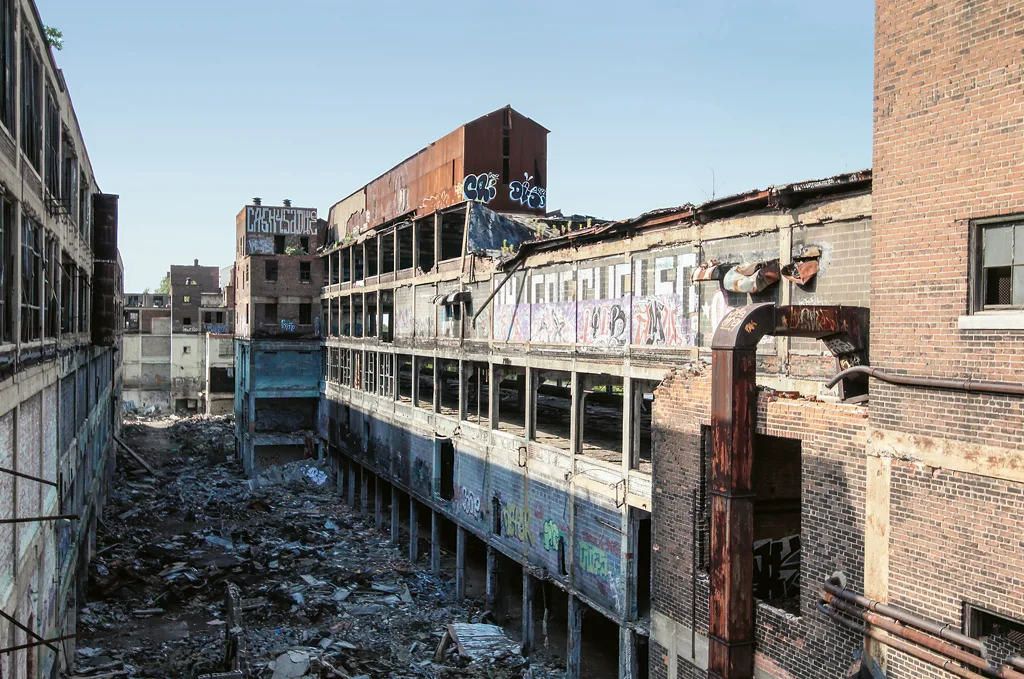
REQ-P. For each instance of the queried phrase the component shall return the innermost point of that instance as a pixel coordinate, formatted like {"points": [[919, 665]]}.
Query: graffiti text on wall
{"points": [[660, 321], [594, 560], [280, 220], [469, 502], [516, 523], [777, 568], [524, 194], [287, 326], [603, 324], [480, 187], [552, 534]]}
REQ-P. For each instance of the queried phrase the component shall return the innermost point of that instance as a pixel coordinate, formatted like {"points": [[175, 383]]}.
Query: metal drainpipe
{"points": [[968, 384]]}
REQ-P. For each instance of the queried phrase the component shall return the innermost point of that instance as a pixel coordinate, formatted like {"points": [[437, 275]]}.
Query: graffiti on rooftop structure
{"points": [[480, 187], [280, 220], [523, 193]]}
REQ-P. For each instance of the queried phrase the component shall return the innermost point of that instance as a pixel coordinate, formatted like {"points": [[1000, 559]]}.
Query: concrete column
{"points": [[530, 416], [435, 543], [460, 563], [437, 385], [414, 532], [464, 389], [437, 238], [396, 503], [628, 668], [378, 504], [352, 467], [529, 629], [575, 638], [628, 434], [494, 395], [417, 363], [364, 492], [576, 416], [491, 587]]}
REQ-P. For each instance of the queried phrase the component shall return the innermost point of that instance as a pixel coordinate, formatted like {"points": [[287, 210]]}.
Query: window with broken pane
{"points": [[1002, 266]]}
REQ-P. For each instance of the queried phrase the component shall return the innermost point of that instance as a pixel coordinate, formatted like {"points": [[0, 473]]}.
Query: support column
{"points": [[437, 385], [577, 405], [352, 467], [378, 504], [494, 394], [463, 389], [575, 638], [628, 668], [629, 439], [364, 493], [417, 364], [529, 628], [396, 504], [435, 543], [530, 416], [491, 586], [460, 563], [414, 531]]}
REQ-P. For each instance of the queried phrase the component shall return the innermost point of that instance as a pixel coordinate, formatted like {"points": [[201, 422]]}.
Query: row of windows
{"points": [[52, 296]]}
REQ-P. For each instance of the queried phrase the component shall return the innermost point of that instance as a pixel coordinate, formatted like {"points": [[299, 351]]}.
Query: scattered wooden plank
{"points": [[136, 456]]}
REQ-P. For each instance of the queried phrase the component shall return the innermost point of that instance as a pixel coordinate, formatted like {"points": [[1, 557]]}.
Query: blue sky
{"points": [[191, 108]]}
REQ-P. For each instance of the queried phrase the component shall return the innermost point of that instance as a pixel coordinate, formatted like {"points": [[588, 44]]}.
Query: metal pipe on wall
{"points": [[968, 384]]}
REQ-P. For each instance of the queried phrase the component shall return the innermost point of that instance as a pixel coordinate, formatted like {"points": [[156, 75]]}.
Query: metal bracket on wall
{"points": [[620, 485]]}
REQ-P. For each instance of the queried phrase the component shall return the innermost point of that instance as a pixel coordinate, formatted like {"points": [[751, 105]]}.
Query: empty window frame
{"points": [[333, 364], [477, 388], [186, 321], [7, 64], [304, 245], [371, 314], [69, 178], [448, 387], [344, 313], [52, 160], [386, 375], [7, 286], [641, 441], [84, 301], [404, 247], [453, 225], [31, 278], [335, 267], [68, 295], [328, 321], [387, 315], [387, 252], [370, 372], [305, 272], [1000, 266], [345, 358], [270, 313], [84, 221], [404, 370], [279, 245], [1003, 636], [270, 269], [51, 286], [346, 264], [424, 382], [31, 102], [305, 313], [553, 408], [424, 243], [777, 488], [207, 317], [357, 262], [372, 249], [357, 315], [601, 418], [511, 399]]}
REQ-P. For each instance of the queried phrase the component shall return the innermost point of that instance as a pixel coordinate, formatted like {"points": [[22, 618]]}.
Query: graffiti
{"points": [[317, 476], [441, 199], [287, 326], [316, 325], [404, 323], [516, 523], [524, 194], [509, 324], [777, 568], [603, 324], [553, 323], [552, 535], [660, 321], [261, 245], [469, 502], [480, 187], [280, 220], [594, 560], [719, 308]]}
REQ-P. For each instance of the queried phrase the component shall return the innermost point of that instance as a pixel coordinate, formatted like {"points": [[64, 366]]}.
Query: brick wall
{"points": [[833, 439], [948, 148]]}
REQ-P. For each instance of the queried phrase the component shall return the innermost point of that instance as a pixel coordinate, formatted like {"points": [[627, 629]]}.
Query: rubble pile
{"points": [[318, 592]]}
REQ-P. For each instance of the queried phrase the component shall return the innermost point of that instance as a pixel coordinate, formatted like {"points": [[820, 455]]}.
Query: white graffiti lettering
{"points": [[280, 220]]}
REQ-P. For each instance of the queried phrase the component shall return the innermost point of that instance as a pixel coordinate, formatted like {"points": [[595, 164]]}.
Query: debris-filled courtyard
{"points": [[200, 571]]}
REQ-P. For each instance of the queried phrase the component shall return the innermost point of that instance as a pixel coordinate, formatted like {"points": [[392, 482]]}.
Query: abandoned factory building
{"points": [[60, 373]]}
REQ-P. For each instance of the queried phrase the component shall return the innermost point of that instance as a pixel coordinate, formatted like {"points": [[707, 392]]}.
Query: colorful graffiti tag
{"points": [[515, 523], [525, 194], [553, 323], [552, 534], [594, 560], [468, 502], [604, 323], [777, 568], [480, 187], [661, 321]]}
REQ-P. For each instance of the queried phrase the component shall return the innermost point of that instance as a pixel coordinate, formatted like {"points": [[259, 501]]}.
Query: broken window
{"points": [[445, 464], [278, 245], [371, 246], [328, 321], [69, 181], [386, 373], [425, 243], [370, 372], [187, 320], [67, 293], [85, 225], [7, 286], [1002, 266], [511, 385], [552, 407], [270, 313], [84, 301], [453, 226], [478, 393], [405, 378], [7, 57], [304, 244], [220, 316], [404, 248], [448, 386], [346, 367], [305, 271], [601, 418], [777, 493], [31, 103], [387, 252], [334, 264], [641, 441], [1003, 636], [270, 269], [207, 317], [346, 265], [357, 262], [31, 275], [52, 169], [371, 314], [305, 314], [357, 315], [387, 314], [424, 382], [345, 316]]}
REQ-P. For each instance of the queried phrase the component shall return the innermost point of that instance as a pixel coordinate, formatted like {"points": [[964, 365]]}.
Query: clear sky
{"points": [[189, 109]]}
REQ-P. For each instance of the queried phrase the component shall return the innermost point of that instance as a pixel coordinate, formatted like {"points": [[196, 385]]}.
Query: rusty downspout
{"points": [[968, 384]]}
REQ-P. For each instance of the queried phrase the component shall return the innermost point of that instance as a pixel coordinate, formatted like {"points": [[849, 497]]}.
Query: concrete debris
{"points": [[312, 589]]}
